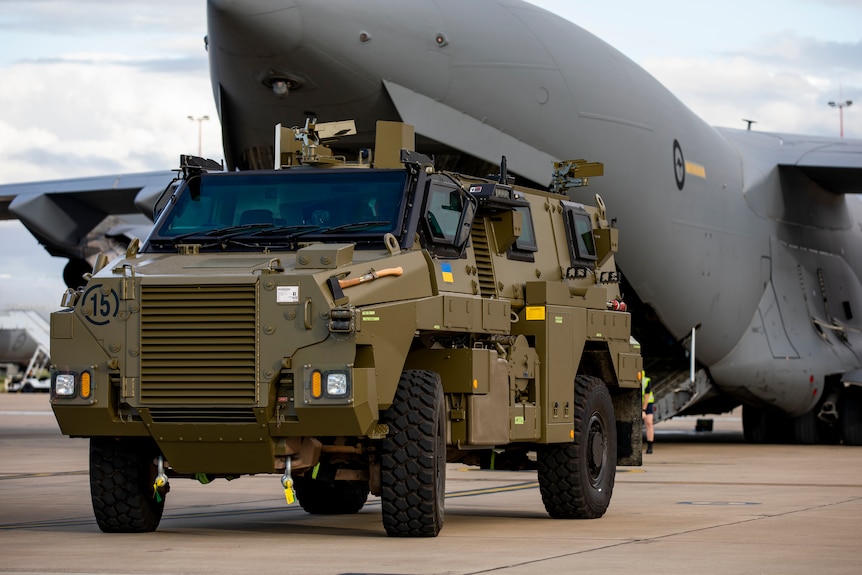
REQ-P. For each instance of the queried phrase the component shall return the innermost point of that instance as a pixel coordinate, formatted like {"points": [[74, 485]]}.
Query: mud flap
{"points": [[627, 412]]}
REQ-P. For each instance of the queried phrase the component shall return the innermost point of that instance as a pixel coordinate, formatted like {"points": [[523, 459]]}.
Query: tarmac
{"points": [[703, 502]]}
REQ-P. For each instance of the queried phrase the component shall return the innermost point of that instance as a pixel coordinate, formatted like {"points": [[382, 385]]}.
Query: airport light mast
{"points": [[200, 120], [841, 106]]}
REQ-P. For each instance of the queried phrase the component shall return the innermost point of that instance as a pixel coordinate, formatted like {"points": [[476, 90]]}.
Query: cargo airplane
{"points": [[741, 250]]}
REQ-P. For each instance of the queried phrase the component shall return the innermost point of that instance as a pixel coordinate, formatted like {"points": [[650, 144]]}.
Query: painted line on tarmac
{"points": [[45, 524], [46, 474], [488, 490], [750, 484]]}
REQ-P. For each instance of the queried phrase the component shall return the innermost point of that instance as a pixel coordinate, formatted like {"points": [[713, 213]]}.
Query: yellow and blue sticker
{"points": [[446, 269]]}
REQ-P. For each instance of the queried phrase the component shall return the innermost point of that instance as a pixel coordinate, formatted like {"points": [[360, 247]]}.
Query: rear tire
{"points": [[577, 479], [765, 425], [850, 415], [122, 473], [330, 498], [805, 428], [413, 457]]}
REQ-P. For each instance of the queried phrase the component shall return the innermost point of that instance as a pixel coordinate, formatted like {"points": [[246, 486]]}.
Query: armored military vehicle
{"points": [[352, 327]]}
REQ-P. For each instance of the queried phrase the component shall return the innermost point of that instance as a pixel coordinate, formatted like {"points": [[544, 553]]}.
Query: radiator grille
{"points": [[202, 415], [198, 346]]}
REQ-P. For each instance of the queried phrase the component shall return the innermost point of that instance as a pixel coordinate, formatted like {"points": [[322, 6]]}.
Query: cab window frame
{"points": [[579, 250], [525, 245], [440, 239]]}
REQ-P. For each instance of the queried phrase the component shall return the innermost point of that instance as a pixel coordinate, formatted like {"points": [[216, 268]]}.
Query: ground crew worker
{"points": [[647, 401]]}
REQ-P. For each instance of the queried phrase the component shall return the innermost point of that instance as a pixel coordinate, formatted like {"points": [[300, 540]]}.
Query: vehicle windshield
{"points": [[254, 209]]}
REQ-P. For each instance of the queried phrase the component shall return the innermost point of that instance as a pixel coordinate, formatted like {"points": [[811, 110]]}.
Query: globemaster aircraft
{"points": [[741, 251]]}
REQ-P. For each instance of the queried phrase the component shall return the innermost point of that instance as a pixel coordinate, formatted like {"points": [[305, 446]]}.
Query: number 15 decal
{"points": [[105, 305]]}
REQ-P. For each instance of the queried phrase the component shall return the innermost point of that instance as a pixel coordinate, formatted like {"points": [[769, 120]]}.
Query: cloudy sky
{"points": [[90, 87]]}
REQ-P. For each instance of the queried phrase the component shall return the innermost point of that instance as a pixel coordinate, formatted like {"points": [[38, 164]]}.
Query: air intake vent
{"points": [[202, 415], [198, 348]]}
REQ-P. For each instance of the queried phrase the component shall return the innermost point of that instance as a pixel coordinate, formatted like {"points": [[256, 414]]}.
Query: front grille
{"points": [[202, 415], [198, 346]]}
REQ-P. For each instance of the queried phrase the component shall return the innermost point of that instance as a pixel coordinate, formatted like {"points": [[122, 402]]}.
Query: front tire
{"points": [[413, 457], [122, 473], [576, 479]]}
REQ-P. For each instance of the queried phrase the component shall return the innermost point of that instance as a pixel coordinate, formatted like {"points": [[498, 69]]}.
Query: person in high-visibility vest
{"points": [[647, 401]]}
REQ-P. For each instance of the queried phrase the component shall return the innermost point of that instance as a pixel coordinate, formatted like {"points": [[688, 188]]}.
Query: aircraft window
{"points": [[327, 199]]}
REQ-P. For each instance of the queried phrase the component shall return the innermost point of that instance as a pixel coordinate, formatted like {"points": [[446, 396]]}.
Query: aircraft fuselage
{"points": [[718, 230]]}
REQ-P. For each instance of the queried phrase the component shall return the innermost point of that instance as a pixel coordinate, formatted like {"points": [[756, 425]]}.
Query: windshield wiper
{"points": [[356, 226], [262, 237], [288, 231], [218, 234]]}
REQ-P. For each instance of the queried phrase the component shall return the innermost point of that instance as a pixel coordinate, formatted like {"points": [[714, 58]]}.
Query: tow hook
{"points": [[160, 486], [287, 483]]}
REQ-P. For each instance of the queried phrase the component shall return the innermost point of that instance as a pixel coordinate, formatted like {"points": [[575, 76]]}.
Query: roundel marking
{"points": [[678, 165]]}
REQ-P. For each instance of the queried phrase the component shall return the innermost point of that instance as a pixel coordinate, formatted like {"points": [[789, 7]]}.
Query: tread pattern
{"points": [[576, 479], [121, 485], [413, 459]]}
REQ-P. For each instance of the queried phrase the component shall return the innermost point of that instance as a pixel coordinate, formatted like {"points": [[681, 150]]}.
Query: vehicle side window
{"points": [[525, 245], [443, 212], [579, 230]]}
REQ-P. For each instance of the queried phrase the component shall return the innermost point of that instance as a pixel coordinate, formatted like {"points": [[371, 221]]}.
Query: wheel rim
{"points": [[596, 449]]}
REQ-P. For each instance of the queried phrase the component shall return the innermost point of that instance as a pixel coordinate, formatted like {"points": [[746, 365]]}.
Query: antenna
{"points": [[749, 122]]}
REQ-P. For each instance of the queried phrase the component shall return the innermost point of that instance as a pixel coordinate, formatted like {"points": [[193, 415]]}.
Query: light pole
{"points": [[841, 106], [200, 121]]}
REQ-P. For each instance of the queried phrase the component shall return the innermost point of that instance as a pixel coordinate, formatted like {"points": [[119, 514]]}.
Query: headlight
{"points": [[64, 384], [328, 385], [336, 384]]}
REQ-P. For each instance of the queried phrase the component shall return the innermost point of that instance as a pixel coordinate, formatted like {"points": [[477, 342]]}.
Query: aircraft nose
{"points": [[249, 7], [254, 27]]}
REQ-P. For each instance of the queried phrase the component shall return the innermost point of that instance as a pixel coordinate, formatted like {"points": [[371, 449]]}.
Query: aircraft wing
{"points": [[835, 168], [79, 218], [444, 124], [834, 164]]}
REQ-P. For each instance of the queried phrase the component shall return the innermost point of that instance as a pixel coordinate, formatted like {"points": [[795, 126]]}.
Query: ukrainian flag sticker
{"points": [[446, 268]]}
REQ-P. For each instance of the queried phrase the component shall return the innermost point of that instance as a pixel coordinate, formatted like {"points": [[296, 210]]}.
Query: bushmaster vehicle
{"points": [[353, 327]]}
